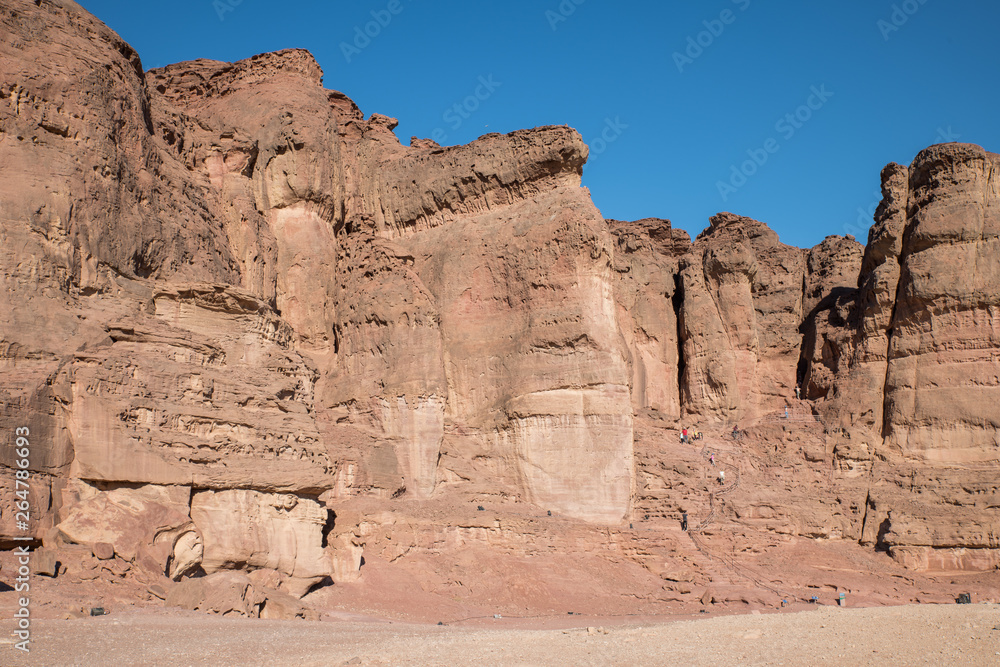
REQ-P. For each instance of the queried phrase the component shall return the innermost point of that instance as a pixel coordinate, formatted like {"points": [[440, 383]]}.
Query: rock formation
{"points": [[922, 369], [241, 321], [741, 308], [828, 301], [647, 257]]}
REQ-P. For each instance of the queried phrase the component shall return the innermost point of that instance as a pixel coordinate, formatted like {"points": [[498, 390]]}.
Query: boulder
{"points": [[283, 607], [226, 593], [250, 529], [44, 562]]}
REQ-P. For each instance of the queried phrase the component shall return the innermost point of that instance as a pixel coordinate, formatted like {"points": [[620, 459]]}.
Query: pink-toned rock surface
{"points": [[828, 302], [253, 336], [943, 369], [740, 313], [647, 294], [924, 365], [245, 529]]}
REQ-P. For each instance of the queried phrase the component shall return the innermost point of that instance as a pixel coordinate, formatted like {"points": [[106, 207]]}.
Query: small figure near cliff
{"points": [[786, 412], [684, 436], [711, 459], [684, 521], [722, 477], [798, 393]]}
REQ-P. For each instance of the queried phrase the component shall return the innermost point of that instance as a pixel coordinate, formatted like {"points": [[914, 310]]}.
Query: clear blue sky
{"points": [[678, 124]]}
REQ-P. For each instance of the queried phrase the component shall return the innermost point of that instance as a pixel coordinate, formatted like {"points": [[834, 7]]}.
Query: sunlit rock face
{"points": [[924, 368], [944, 355], [226, 278], [740, 314], [231, 305]]}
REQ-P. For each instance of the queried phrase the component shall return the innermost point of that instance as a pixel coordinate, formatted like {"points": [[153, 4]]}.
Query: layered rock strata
{"points": [[226, 287], [740, 313], [232, 307]]}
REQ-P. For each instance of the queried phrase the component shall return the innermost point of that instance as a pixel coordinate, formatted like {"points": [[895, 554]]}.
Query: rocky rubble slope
{"points": [[240, 321]]}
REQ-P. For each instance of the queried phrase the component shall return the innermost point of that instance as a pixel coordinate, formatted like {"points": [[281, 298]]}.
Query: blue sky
{"points": [[782, 111]]}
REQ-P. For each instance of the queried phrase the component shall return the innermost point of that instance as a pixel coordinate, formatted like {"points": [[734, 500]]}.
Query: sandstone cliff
{"points": [[242, 321], [927, 329]]}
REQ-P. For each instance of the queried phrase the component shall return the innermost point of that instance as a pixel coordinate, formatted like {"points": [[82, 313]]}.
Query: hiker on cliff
{"points": [[798, 393], [786, 412], [711, 459], [736, 432], [684, 521], [722, 477], [684, 436]]}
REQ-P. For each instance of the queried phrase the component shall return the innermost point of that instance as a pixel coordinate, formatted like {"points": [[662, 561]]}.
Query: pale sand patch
{"points": [[907, 635]]}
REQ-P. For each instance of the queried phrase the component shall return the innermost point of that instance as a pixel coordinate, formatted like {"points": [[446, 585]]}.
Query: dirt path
{"points": [[909, 635]]}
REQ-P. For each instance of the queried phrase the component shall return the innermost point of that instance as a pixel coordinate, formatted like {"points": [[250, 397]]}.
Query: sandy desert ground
{"points": [[906, 635]]}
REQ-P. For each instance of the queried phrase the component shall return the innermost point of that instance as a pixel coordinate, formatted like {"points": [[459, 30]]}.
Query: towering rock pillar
{"points": [[942, 385]]}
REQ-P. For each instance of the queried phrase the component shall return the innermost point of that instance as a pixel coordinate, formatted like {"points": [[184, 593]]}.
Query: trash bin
{"points": [[843, 601]]}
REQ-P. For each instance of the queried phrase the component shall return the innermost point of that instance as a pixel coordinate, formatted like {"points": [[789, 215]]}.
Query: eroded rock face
{"points": [[943, 354], [132, 521], [223, 593], [860, 399], [924, 369], [239, 285], [740, 313], [535, 361], [647, 294], [829, 297], [921, 352], [227, 294], [201, 393], [250, 530]]}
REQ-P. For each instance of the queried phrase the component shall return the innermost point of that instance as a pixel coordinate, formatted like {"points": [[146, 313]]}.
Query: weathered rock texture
{"points": [[740, 313], [647, 293], [233, 308], [924, 367], [828, 300]]}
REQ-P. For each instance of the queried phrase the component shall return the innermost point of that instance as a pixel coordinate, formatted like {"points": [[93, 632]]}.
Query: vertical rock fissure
{"points": [[677, 302], [864, 519], [806, 338]]}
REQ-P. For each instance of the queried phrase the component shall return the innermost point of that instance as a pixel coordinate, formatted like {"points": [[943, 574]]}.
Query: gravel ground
{"points": [[909, 635]]}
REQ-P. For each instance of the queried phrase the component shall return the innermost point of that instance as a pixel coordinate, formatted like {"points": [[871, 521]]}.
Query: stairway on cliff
{"points": [[673, 478], [676, 477]]}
